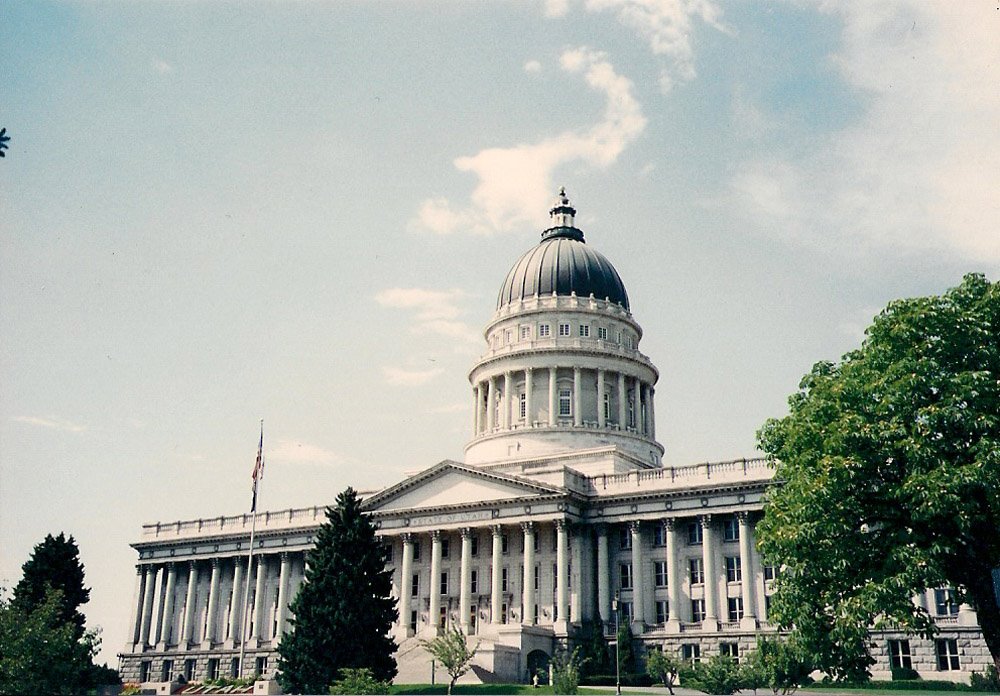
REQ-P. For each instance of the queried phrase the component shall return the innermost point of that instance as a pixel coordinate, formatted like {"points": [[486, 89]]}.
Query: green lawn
{"points": [[501, 689]]}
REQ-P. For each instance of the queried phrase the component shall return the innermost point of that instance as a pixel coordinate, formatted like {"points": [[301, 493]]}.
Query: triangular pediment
{"points": [[450, 483]]}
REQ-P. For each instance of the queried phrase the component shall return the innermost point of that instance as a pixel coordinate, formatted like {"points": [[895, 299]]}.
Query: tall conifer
{"points": [[54, 564], [344, 610]]}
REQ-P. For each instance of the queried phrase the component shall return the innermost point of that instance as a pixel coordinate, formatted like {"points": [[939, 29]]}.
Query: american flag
{"points": [[258, 469]]}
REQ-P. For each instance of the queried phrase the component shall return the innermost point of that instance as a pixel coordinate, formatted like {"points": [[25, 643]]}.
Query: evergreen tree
{"points": [[54, 564], [344, 610]]}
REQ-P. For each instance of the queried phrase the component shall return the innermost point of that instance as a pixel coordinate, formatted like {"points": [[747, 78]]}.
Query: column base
{"points": [[561, 627], [748, 623], [673, 626], [967, 616], [710, 625], [638, 628]]}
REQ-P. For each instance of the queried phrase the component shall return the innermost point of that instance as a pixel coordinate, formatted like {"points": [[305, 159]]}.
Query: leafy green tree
{"points": [[39, 651], [778, 665], [594, 650], [358, 681], [718, 674], [566, 667], [890, 471], [663, 667], [626, 654], [343, 610], [451, 649], [54, 564]]}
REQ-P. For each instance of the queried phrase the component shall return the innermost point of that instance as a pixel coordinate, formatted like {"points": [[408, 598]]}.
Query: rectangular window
{"points": [[691, 652], [631, 410], [506, 336], [413, 620], [445, 548], [947, 654], [694, 533], [543, 330], [602, 333], [503, 580], [474, 588], [536, 539], [607, 406], [659, 535], [234, 668], [697, 568], [697, 610], [625, 576], [565, 402], [564, 329], [144, 670], [213, 668], [522, 405], [443, 617], [537, 576], [504, 542], [624, 538], [734, 571], [416, 550], [627, 612], [735, 608], [899, 654], [730, 650], [662, 611], [444, 583], [474, 541], [165, 671], [944, 602], [730, 529], [503, 613], [770, 572], [660, 569], [525, 333], [415, 585], [189, 667], [584, 330]]}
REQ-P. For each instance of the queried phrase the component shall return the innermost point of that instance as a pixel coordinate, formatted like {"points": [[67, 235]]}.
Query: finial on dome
{"points": [[562, 213]]}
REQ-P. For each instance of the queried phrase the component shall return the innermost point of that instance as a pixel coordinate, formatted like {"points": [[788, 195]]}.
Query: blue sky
{"points": [[215, 213]]}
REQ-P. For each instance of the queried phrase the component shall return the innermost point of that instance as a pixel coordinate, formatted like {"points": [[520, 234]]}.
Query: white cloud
{"points": [[450, 408], [402, 377], [532, 66], [556, 8], [52, 423], [162, 66], [921, 168], [295, 452], [515, 183], [434, 311]]}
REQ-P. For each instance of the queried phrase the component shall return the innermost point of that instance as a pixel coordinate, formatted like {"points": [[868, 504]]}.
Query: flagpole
{"points": [[253, 528]]}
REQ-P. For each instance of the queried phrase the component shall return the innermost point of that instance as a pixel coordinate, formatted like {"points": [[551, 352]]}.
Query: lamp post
{"points": [[618, 649]]}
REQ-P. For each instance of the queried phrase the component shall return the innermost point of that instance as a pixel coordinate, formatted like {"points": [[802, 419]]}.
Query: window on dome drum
{"points": [[735, 608], [662, 611], [660, 570], [474, 582], [415, 585], [730, 650], [695, 565], [691, 652], [564, 329], [565, 402], [525, 333], [522, 405], [944, 602], [631, 410], [624, 537], [659, 535], [625, 576], [697, 610], [899, 654], [602, 333], [947, 654], [607, 406], [474, 544], [584, 330], [734, 572], [730, 530], [543, 330], [445, 548], [506, 336], [694, 533], [444, 583]]}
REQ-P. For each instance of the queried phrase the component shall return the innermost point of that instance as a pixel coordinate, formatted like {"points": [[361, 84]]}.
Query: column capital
{"points": [[670, 523], [634, 526], [466, 532], [743, 516], [140, 568], [528, 370], [528, 527], [192, 564], [497, 531], [286, 556], [706, 521], [407, 537], [436, 535], [562, 524], [216, 562]]}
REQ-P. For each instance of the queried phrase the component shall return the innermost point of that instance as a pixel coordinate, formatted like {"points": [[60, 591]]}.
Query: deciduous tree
{"points": [[889, 463], [451, 649]]}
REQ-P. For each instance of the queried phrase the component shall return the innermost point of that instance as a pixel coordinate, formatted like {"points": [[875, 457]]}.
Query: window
{"points": [[697, 610], [444, 583], [189, 667], [388, 552], [445, 548], [731, 530], [697, 568], [503, 613], [624, 537], [416, 550], [522, 405], [735, 608], [770, 572], [607, 406], [213, 668], [234, 668], [631, 410], [627, 612], [659, 535], [475, 544], [144, 670], [602, 333], [503, 543], [694, 533], [944, 602], [503, 580], [443, 617], [584, 330], [413, 620], [625, 576], [535, 539], [564, 329], [537, 575], [165, 670], [474, 588], [415, 585], [662, 611], [525, 333], [660, 569], [543, 330], [506, 336], [691, 652], [730, 650], [947, 654], [565, 402], [899, 654], [734, 571]]}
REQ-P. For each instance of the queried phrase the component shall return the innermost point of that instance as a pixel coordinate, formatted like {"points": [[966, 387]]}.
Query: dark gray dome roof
{"points": [[563, 264]]}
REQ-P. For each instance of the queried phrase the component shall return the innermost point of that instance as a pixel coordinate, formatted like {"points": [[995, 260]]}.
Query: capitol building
{"points": [[561, 515]]}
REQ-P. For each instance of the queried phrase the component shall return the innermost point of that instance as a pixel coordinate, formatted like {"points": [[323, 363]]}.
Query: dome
{"points": [[562, 264]]}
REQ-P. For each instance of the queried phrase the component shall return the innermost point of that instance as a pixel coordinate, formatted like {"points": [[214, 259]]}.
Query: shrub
{"points": [[663, 667], [566, 671], [358, 681], [718, 675], [990, 681], [904, 674]]}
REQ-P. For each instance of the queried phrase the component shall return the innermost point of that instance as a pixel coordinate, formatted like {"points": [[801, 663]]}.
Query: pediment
{"points": [[448, 483]]}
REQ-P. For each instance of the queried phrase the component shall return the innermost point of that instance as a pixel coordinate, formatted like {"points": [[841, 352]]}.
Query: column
{"points": [[528, 406], [637, 404], [167, 615], [967, 615], [645, 409], [286, 562], [528, 610], [477, 399], [192, 594], [213, 604], [711, 622], [137, 599], [577, 398], [258, 599], [236, 606], [673, 577], [749, 621], [496, 598], [638, 579], [405, 580], [435, 584], [491, 397], [508, 387], [579, 583], [562, 571], [465, 575], [602, 422], [622, 402], [603, 575], [553, 410], [652, 413], [147, 604]]}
